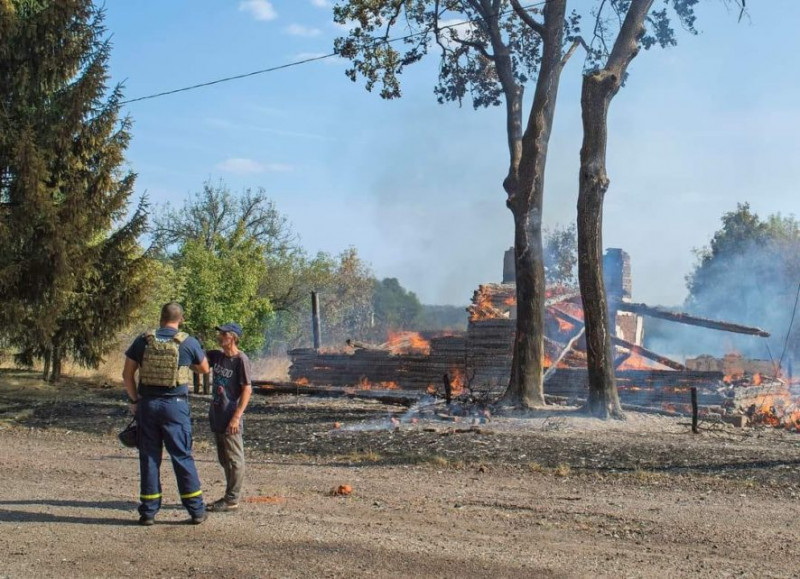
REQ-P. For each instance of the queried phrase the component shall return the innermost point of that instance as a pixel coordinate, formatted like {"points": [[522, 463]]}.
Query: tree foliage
{"points": [[750, 273], [221, 285], [345, 286], [215, 212], [561, 255], [71, 270], [463, 32], [394, 307]]}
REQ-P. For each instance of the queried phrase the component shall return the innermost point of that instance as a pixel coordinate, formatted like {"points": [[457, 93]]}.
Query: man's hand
{"points": [[201, 368], [129, 381], [233, 425]]}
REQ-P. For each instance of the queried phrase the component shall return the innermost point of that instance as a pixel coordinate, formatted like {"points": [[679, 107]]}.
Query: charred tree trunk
{"points": [[598, 90], [525, 188], [46, 364], [56, 359], [526, 385]]}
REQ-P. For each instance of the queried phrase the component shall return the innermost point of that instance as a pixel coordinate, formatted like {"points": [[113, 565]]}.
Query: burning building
{"points": [[480, 358]]}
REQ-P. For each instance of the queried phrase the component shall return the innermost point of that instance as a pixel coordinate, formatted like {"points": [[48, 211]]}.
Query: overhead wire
{"points": [[312, 58]]}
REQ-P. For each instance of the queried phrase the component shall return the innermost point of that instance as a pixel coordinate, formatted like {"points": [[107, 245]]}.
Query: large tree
{"points": [[215, 212], [490, 50], [625, 26], [71, 271]]}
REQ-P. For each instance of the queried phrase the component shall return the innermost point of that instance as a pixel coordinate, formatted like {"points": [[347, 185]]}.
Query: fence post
{"points": [[315, 322]]}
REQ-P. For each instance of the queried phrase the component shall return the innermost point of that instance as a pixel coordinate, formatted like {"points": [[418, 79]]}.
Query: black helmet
{"points": [[130, 435]]}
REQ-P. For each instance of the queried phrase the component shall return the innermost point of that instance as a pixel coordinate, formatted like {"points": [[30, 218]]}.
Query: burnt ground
{"points": [[550, 494]]}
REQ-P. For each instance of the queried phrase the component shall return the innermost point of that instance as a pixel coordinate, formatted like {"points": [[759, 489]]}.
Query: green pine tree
{"points": [[72, 272]]}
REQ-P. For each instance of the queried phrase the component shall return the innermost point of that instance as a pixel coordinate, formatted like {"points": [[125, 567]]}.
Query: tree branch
{"points": [[578, 41], [455, 38], [627, 43], [537, 26]]}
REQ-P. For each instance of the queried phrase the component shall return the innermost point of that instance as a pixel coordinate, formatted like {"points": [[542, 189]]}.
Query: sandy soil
{"points": [[549, 495]]}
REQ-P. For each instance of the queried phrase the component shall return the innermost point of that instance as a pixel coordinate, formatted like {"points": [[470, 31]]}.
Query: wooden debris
{"points": [[682, 318]]}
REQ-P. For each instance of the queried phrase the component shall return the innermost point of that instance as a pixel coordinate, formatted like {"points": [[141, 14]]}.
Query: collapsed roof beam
{"points": [[644, 352], [645, 310]]}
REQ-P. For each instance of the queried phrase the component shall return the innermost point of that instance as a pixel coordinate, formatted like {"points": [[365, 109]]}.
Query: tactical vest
{"points": [[160, 362]]}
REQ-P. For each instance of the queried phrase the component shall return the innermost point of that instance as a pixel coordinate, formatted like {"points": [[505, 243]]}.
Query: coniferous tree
{"points": [[71, 271]]}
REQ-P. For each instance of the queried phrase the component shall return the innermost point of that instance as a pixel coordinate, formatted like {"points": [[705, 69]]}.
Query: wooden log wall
{"points": [[379, 368]]}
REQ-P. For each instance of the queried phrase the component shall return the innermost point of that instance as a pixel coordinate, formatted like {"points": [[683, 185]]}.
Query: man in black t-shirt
{"points": [[231, 393]]}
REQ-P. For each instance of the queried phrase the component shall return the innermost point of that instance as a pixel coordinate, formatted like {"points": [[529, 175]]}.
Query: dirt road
{"points": [[67, 505]]}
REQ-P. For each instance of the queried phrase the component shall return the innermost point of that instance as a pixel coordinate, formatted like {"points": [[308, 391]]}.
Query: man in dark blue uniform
{"points": [[163, 359]]}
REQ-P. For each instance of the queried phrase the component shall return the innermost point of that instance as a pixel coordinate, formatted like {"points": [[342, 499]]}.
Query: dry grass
{"points": [[267, 368], [362, 457], [536, 467], [562, 470]]}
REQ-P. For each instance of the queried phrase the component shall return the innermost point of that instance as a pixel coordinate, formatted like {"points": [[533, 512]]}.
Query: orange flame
{"points": [[302, 382], [484, 308], [457, 380], [407, 343], [635, 362], [564, 325]]}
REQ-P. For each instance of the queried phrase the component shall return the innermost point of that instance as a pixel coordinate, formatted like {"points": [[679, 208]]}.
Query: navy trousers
{"points": [[165, 421]]}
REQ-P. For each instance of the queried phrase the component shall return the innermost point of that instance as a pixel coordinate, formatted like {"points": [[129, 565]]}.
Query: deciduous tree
{"points": [[489, 50], [631, 25]]}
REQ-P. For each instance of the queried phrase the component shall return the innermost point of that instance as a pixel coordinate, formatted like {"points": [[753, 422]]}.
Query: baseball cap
{"points": [[232, 327]]}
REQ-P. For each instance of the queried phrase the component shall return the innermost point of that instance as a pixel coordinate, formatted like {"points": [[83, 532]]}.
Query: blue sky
{"points": [[416, 186]]}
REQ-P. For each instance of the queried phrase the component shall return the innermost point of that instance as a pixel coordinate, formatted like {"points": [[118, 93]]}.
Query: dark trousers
{"points": [[230, 452], [166, 422]]}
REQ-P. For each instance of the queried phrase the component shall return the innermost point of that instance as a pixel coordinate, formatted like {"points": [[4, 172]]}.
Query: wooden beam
{"points": [[688, 319], [649, 354]]}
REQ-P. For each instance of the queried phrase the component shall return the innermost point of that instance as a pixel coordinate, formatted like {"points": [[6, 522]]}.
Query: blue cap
{"points": [[232, 327]]}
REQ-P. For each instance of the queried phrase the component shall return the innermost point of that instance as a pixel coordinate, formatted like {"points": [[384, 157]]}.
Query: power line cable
{"points": [[312, 59]]}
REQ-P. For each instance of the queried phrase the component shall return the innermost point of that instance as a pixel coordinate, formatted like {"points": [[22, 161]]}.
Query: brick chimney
{"points": [[617, 274]]}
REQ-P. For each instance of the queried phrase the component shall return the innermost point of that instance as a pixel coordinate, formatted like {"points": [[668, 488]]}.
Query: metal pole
{"points": [[315, 319]]}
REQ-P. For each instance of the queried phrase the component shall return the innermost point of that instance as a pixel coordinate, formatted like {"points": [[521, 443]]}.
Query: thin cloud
{"points": [[240, 166], [243, 166], [300, 30], [259, 9], [321, 3]]}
